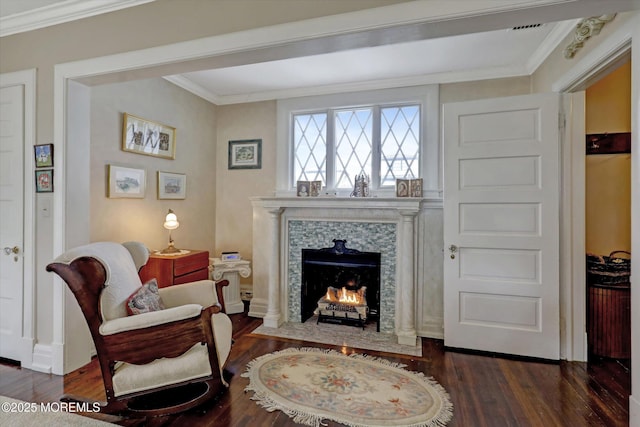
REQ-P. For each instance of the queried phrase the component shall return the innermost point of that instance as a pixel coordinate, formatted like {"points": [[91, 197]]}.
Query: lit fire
{"points": [[344, 296]]}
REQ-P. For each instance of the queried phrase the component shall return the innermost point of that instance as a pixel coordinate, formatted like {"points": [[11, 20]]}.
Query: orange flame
{"points": [[344, 296]]}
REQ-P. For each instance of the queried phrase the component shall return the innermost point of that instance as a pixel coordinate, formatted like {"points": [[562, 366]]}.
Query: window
{"points": [[361, 138], [385, 135]]}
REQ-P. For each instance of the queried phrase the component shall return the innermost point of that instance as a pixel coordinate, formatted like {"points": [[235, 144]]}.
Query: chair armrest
{"points": [[203, 292], [154, 318]]}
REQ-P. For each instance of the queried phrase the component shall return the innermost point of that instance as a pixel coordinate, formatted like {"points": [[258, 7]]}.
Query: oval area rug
{"points": [[311, 385]]}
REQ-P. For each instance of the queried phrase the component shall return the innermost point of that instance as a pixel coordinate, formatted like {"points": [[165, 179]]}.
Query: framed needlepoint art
{"points": [[245, 154], [44, 181], [43, 155]]}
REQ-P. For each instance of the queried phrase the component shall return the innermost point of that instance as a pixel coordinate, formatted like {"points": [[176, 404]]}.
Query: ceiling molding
{"points": [[435, 78], [559, 32], [194, 88], [60, 13]]}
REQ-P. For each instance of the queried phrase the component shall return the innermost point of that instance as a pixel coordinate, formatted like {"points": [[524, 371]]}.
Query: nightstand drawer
{"points": [[189, 264], [192, 277]]}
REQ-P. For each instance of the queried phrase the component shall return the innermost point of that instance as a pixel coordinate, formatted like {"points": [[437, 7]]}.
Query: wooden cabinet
{"points": [[609, 320], [176, 269]]}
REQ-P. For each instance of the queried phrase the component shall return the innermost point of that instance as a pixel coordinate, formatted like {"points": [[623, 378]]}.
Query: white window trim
{"points": [[430, 153]]}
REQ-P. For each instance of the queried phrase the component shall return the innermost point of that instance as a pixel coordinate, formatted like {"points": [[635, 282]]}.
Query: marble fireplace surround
{"points": [[276, 262]]}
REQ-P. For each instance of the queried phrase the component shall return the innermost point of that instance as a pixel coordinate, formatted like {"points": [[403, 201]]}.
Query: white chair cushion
{"points": [[122, 275], [201, 292], [222, 332], [193, 364], [145, 320]]}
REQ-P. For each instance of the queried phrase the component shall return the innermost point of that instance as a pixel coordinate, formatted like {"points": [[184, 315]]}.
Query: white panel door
{"points": [[11, 220], [501, 224]]}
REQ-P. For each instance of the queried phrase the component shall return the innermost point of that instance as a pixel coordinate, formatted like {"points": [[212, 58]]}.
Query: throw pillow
{"points": [[145, 299]]}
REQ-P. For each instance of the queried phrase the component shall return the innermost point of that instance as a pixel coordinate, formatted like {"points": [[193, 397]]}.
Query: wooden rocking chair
{"points": [[157, 362]]}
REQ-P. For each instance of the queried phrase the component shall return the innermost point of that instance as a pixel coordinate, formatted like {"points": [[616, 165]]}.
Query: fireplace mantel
{"points": [[271, 219], [392, 203]]}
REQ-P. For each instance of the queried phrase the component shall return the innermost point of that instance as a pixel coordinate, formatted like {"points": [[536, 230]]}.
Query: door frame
{"points": [[612, 52], [27, 79]]}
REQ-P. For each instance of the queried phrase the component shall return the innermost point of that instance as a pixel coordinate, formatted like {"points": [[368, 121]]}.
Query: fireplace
{"points": [[336, 270], [284, 226]]}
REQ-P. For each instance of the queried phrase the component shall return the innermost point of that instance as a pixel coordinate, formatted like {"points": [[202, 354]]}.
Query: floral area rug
{"points": [[311, 385]]}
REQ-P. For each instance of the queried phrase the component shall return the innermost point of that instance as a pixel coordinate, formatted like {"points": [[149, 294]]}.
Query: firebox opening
{"points": [[329, 273]]}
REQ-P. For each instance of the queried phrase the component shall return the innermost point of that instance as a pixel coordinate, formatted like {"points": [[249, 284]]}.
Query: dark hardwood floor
{"points": [[485, 390]]}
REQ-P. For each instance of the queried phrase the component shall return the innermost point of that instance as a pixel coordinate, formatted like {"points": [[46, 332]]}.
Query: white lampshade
{"points": [[171, 221]]}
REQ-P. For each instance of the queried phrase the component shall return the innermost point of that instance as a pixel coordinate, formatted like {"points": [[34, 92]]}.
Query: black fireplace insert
{"points": [[340, 267]]}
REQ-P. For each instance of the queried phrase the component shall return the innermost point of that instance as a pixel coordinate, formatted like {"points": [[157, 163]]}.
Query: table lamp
{"points": [[170, 223]]}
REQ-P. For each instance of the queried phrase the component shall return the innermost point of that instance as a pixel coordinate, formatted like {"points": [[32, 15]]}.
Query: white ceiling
{"points": [[492, 54]]}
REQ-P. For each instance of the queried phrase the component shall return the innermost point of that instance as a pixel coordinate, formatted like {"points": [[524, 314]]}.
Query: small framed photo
{"points": [[125, 182], [303, 188], [172, 185], [403, 187], [409, 187], [415, 188], [43, 155], [143, 136], [308, 188], [245, 154], [44, 181]]}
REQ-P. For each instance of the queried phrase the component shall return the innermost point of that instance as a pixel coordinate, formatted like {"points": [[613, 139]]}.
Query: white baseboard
{"points": [[42, 358], [634, 410], [258, 307], [431, 328], [26, 352]]}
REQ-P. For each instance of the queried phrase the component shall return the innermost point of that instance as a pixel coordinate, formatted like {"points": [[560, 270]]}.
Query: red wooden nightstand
{"points": [[176, 269]]}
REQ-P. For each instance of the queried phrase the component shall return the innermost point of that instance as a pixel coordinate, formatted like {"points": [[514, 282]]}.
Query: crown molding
{"points": [[559, 32], [426, 79], [60, 13], [194, 88]]}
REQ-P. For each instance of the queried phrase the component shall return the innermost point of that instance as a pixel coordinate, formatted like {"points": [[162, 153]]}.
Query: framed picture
{"points": [[44, 155], [409, 187], [124, 182], [308, 188], [44, 181], [172, 185], [403, 187], [146, 137], [245, 154], [415, 188]]}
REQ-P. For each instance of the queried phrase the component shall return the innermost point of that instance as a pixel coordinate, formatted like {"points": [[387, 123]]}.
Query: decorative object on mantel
{"points": [[361, 186], [172, 185], [125, 182], [609, 143], [585, 29], [311, 385], [308, 188], [43, 155], [170, 223], [146, 137], [44, 181], [409, 187], [245, 154]]}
